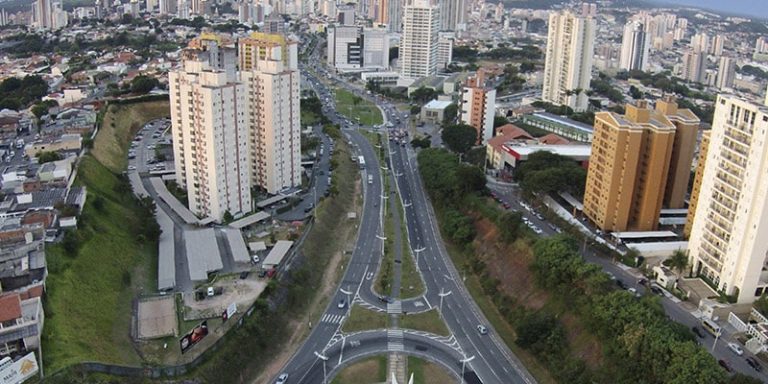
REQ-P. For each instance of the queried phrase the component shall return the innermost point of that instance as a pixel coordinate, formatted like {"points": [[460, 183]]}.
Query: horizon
{"points": [[746, 8]]}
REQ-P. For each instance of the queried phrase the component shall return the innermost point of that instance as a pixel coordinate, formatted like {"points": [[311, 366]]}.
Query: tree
{"points": [[509, 226], [415, 110], [449, 113], [459, 138], [47, 157], [635, 93], [143, 84], [678, 261], [527, 66], [424, 94], [499, 120]]}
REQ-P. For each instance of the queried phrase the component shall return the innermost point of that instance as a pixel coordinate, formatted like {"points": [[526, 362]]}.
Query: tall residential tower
{"points": [[418, 45]]}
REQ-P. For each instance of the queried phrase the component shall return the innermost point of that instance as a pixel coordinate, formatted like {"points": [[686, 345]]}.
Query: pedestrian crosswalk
{"points": [[395, 339], [332, 319], [395, 308]]}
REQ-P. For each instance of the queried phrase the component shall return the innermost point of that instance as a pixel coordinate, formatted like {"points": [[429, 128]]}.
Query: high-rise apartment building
{"points": [[445, 49], [727, 238], [49, 14], [478, 105], [568, 62], [418, 44], [726, 72], [210, 135], [269, 71], [700, 42], [640, 162], [694, 66], [394, 15], [718, 43], [696, 185], [634, 47], [453, 14]]}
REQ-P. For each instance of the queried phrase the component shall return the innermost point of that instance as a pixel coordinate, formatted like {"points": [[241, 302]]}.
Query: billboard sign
{"points": [[19, 370], [194, 336], [231, 310]]}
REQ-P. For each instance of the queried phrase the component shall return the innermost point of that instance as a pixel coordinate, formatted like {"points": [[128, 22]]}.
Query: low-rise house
{"points": [[66, 142], [21, 321]]}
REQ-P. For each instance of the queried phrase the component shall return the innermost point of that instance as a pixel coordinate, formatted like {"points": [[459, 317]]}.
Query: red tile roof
{"points": [[512, 132], [10, 307], [553, 139]]}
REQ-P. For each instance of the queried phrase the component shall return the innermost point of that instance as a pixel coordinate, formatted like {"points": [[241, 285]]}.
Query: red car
{"points": [[506, 205]]}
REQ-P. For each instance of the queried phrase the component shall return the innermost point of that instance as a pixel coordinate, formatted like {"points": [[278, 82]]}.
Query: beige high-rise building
{"points": [[640, 162], [568, 61], [730, 224], [269, 71], [696, 187], [210, 135]]}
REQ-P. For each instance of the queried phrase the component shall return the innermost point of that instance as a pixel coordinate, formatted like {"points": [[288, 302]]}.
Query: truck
{"points": [[361, 162]]}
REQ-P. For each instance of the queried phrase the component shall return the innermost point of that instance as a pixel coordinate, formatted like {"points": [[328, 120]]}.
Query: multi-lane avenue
{"points": [[481, 357]]}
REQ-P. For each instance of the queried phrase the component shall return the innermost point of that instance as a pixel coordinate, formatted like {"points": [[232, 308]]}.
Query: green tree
{"points": [[459, 138], [47, 157], [635, 93], [678, 261], [499, 120], [143, 84], [509, 226], [423, 94], [449, 114], [687, 363]]}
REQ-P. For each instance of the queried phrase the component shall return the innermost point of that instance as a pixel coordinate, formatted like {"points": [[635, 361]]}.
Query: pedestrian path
{"points": [[395, 308], [332, 319], [395, 339]]}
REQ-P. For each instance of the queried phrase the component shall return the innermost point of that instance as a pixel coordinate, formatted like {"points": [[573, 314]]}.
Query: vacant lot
{"points": [[91, 288], [354, 107], [118, 129]]}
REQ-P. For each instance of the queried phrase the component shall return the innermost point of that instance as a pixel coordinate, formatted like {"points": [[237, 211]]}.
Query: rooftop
{"points": [[524, 150], [564, 121], [438, 104]]}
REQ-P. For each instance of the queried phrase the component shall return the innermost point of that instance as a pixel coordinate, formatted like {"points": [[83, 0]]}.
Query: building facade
{"points": [[210, 135], [568, 61], [634, 47], [478, 106], [726, 72], [453, 14], [269, 72], [638, 165], [355, 48], [418, 44], [727, 241]]}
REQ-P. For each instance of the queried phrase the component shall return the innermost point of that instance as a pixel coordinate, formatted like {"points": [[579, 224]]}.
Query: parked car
{"points": [[698, 332], [754, 364], [725, 365], [735, 348], [482, 329], [621, 284], [657, 290], [256, 259]]}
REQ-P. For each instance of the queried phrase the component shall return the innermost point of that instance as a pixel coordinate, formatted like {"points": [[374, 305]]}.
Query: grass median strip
{"points": [[429, 321], [356, 108], [411, 284], [367, 371], [361, 319]]}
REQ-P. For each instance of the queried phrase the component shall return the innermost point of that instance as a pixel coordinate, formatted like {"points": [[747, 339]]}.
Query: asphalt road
{"points": [[485, 355]]}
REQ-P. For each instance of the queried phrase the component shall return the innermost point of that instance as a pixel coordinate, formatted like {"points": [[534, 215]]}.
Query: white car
{"points": [[256, 259], [735, 348], [282, 379]]}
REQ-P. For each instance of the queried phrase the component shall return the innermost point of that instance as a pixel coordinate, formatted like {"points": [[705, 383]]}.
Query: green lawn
{"points": [[411, 284], [355, 107], [361, 319], [372, 370], [425, 372], [428, 321], [89, 302]]}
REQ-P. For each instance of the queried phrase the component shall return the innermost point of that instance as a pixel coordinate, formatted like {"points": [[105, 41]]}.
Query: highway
{"points": [[487, 359]]}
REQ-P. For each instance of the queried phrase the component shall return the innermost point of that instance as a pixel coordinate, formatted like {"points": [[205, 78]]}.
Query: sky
{"points": [[757, 8]]}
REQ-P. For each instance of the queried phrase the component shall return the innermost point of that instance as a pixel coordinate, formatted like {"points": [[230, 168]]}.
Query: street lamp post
{"points": [[717, 336], [324, 359], [348, 293], [463, 363], [418, 251], [442, 294]]}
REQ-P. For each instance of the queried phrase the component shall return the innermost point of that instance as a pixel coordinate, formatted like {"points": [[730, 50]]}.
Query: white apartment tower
{"points": [[727, 242], [568, 62], [210, 135], [634, 47], [726, 72], [394, 15], [269, 72], [453, 14], [418, 44]]}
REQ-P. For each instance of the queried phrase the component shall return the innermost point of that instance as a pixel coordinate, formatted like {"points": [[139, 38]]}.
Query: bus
{"points": [[710, 326], [361, 162]]}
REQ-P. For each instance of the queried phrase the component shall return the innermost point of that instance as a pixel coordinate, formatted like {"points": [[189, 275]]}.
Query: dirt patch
{"points": [[436, 374], [510, 264], [363, 372], [242, 291], [157, 317]]}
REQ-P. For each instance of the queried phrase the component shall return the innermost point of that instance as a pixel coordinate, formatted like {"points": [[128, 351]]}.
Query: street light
{"points": [[324, 359], [348, 293], [418, 251], [442, 294], [463, 363], [717, 336]]}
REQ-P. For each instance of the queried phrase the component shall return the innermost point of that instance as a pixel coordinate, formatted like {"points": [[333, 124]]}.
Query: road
{"points": [[485, 355], [675, 311]]}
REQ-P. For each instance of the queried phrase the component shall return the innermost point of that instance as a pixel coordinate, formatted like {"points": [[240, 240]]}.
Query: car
{"points": [[131, 167], [309, 208], [256, 259], [754, 364], [735, 348], [244, 275], [385, 299], [342, 303], [698, 332], [621, 284], [282, 379], [262, 273], [642, 281], [657, 290], [210, 291], [482, 329], [725, 365], [505, 205], [633, 291]]}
